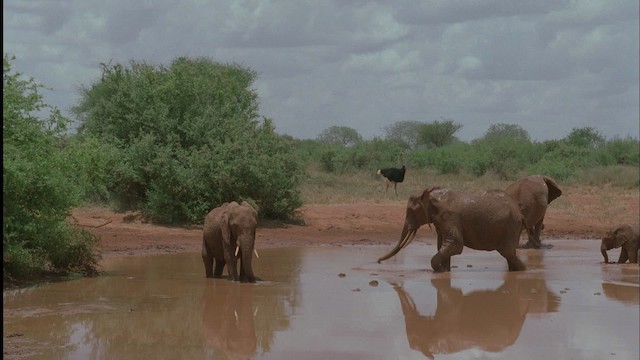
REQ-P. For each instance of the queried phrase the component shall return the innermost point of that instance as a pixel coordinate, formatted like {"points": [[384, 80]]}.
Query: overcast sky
{"points": [[547, 65]]}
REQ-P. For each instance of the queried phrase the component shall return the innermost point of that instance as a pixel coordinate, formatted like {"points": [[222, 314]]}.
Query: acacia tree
{"points": [[504, 149], [406, 131], [342, 135], [191, 138], [586, 137], [438, 133], [506, 131]]}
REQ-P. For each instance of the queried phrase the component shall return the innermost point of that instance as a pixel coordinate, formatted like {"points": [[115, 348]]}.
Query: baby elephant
{"points": [[625, 236]]}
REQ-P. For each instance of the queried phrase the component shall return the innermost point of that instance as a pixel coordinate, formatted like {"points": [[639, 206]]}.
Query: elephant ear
{"points": [[619, 237], [554, 189]]}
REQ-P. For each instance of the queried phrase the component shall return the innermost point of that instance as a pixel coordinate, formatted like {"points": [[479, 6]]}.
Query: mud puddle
{"points": [[336, 303]]}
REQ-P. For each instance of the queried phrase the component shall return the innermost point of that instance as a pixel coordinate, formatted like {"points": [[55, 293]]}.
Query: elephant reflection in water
{"points": [[487, 319], [628, 294], [228, 319]]}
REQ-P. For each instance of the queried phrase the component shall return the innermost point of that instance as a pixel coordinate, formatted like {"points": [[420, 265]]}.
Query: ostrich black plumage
{"points": [[393, 175]]}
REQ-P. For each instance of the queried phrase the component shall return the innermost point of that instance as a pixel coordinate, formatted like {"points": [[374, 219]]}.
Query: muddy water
{"points": [[337, 303]]}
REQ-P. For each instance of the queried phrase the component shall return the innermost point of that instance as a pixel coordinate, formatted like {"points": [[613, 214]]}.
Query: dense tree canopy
{"points": [[191, 138]]}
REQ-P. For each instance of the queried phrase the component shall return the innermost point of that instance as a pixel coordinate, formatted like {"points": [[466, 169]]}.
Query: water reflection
{"points": [[625, 293], [154, 307], [487, 319], [228, 319]]}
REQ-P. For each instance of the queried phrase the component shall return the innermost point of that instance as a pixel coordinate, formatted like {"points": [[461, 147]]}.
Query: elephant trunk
{"points": [[603, 250], [247, 254], [405, 238]]}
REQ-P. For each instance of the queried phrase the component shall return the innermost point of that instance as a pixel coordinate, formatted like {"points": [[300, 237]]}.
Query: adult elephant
{"points": [[625, 236], [488, 220], [533, 194], [229, 233]]}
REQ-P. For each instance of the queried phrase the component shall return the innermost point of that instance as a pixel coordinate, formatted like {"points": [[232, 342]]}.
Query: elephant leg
{"points": [[208, 265], [441, 261], [217, 273], [537, 229], [533, 235], [623, 256], [207, 260], [445, 263], [514, 262], [232, 263]]}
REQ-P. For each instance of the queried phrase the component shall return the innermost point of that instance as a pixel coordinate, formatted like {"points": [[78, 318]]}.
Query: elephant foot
{"points": [[532, 245]]}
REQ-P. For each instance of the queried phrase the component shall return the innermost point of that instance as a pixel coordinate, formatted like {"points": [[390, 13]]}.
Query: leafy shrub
{"points": [[189, 138], [38, 188], [623, 151]]}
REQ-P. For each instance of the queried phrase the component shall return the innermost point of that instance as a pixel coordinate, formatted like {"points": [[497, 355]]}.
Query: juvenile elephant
{"points": [[533, 194], [488, 220], [625, 236], [229, 233]]}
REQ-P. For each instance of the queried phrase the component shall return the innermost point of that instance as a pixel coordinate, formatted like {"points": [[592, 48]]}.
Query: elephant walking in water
{"points": [[229, 233], [488, 220], [533, 194], [626, 236]]}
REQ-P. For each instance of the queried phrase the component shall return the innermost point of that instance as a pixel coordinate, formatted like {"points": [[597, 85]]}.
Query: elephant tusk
{"points": [[237, 249], [408, 239], [256, 252], [236, 314], [413, 236], [255, 312], [401, 244]]}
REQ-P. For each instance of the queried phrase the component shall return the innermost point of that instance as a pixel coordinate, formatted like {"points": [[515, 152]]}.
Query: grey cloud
{"points": [[417, 12], [547, 65]]}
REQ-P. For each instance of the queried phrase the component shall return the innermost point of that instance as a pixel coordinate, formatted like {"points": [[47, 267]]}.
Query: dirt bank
{"points": [[584, 213]]}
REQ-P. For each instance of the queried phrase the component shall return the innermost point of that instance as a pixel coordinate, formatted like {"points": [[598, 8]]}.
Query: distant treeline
{"points": [[505, 150]]}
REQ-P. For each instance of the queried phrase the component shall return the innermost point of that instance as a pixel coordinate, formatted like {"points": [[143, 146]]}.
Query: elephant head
{"points": [[625, 236], [238, 227], [416, 216]]}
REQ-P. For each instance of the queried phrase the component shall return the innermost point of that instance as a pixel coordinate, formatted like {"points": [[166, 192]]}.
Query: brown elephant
{"points": [[487, 319], [533, 194], [488, 220], [229, 233], [625, 236]]}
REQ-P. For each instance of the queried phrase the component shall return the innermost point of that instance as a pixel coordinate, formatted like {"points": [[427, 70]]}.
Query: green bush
{"points": [[623, 151], [39, 188], [188, 137]]}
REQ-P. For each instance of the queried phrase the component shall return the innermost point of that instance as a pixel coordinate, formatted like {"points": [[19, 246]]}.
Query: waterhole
{"points": [[336, 303]]}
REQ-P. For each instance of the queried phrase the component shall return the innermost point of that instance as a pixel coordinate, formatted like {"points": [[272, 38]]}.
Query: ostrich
{"points": [[393, 175]]}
